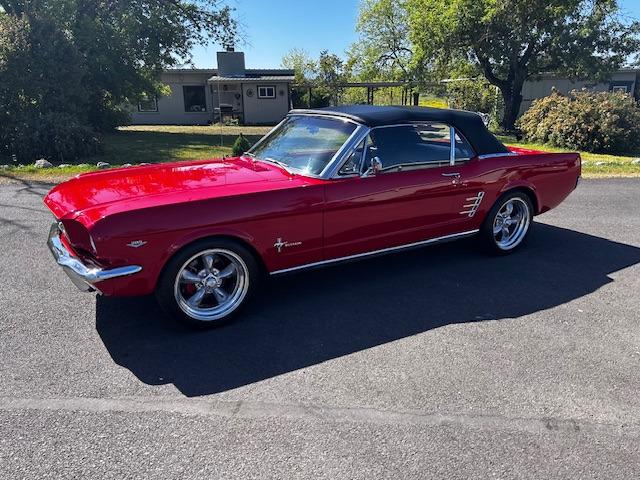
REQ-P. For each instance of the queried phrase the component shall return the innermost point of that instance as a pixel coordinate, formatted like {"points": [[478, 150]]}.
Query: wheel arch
{"points": [[527, 189], [237, 238]]}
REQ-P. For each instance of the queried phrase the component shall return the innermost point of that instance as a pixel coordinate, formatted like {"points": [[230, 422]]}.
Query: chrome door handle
{"points": [[457, 175]]}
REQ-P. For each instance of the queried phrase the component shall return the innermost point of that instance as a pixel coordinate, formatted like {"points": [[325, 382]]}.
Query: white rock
{"points": [[64, 165], [144, 163], [636, 161], [126, 165], [42, 163], [600, 163], [103, 165], [84, 165], [4, 167]]}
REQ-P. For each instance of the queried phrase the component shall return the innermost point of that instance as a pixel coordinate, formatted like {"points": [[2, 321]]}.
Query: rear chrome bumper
{"points": [[82, 276]]}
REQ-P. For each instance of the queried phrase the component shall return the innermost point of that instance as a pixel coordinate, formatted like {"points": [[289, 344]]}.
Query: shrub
{"points": [[241, 145], [43, 99], [320, 97], [473, 95], [602, 122], [54, 136]]}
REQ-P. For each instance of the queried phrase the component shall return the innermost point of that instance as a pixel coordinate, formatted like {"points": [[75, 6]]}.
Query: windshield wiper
{"points": [[271, 160], [277, 162]]}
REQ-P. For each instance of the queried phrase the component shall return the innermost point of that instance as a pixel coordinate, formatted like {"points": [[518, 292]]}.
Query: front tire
{"points": [[508, 223], [207, 283]]}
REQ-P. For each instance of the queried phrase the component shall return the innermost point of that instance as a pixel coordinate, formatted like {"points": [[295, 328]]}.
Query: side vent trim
{"points": [[472, 204]]}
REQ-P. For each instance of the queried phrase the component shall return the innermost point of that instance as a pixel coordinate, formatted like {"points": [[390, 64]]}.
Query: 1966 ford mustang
{"points": [[323, 186]]}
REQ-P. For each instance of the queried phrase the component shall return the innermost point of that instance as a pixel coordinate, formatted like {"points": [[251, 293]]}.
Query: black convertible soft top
{"points": [[469, 123]]}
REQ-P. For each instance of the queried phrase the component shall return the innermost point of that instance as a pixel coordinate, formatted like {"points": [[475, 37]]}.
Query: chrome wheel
{"points": [[511, 223], [211, 284]]}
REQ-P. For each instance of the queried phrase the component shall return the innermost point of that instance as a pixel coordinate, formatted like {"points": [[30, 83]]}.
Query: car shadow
{"points": [[307, 318]]}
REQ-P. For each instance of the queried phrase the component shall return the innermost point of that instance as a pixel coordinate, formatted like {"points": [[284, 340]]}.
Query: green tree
{"points": [[324, 76], [46, 115], [240, 146], [87, 58], [301, 63], [510, 41], [383, 50], [331, 73]]}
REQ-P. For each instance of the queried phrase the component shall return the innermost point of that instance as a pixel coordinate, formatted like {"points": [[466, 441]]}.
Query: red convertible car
{"points": [[323, 186]]}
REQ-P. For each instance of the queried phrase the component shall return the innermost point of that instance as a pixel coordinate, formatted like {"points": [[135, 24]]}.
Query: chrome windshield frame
{"points": [[332, 166]]}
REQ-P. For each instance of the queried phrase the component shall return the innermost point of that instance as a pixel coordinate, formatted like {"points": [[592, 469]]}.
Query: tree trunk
{"points": [[512, 101]]}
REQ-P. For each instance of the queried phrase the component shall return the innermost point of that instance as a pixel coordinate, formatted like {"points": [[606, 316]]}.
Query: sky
{"points": [[273, 27]]}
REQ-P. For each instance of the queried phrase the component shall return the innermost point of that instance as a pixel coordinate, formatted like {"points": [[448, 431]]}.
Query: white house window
{"points": [[148, 104], [620, 89], [266, 91], [195, 99]]}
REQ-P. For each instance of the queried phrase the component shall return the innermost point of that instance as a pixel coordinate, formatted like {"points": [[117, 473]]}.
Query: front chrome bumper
{"points": [[82, 276]]}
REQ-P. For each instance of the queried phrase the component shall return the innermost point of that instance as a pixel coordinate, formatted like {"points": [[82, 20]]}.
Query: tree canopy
{"points": [[383, 51], [324, 74], [510, 41], [87, 58]]}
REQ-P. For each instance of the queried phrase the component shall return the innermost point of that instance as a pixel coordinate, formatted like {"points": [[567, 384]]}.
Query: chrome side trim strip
{"points": [[380, 252], [495, 155]]}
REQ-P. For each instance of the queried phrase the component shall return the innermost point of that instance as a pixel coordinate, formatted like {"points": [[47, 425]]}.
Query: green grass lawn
{"points": [[151, 144], [593, 164]]}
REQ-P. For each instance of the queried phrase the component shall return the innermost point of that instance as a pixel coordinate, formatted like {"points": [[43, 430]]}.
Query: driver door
{"points": [[408, 201]]}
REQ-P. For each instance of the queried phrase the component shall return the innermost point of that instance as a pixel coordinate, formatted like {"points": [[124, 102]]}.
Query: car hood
{"points": [[97, 194]]}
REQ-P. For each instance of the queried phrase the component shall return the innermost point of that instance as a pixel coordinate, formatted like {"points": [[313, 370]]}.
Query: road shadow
{"points": [[307, 318]]}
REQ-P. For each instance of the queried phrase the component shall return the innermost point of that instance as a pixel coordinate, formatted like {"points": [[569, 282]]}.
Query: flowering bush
{"points": [[603, 122]]}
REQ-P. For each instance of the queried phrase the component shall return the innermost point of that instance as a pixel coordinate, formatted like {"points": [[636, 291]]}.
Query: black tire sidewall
{"points": [[164, 292], [486, 231]]}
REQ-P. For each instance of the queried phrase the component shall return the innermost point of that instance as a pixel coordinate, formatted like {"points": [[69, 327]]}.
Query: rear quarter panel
{"points": [[550, 176]]}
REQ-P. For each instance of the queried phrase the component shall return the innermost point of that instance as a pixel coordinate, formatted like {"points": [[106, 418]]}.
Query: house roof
{"points": [[248, 79], [470, 124], [208, 71], [249, 72]]}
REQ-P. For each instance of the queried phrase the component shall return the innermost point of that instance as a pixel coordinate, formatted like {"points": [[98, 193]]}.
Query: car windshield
{"points": [[304, 143]]}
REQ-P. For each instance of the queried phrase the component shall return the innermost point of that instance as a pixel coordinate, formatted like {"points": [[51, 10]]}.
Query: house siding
{"points": [[262, 111], [171, 107], [230, 84], [536, 89]]}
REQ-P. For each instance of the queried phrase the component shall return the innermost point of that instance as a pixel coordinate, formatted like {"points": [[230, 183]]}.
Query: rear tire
{"points": [[508, 223], [207, 283]]}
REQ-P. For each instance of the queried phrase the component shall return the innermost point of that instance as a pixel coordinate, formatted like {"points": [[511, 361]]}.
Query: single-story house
{"points": [[621, 81], [253, 96]]}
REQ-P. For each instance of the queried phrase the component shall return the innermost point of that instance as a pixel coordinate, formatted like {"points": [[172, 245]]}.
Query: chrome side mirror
{"points": [[374, 167]]}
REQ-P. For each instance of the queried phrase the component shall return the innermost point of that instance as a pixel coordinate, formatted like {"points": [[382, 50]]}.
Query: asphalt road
{"points": [[437, 363]]}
